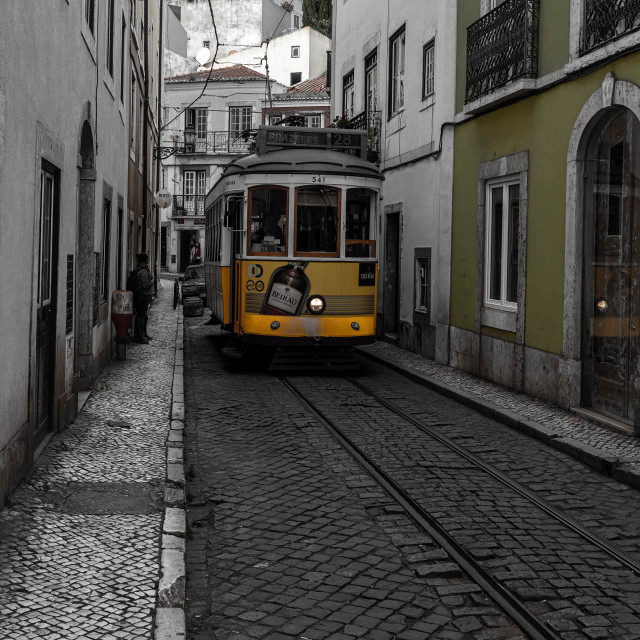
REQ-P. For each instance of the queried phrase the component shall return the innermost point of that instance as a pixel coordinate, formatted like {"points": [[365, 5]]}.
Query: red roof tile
{"points": [[237, 72], [313, 85]]}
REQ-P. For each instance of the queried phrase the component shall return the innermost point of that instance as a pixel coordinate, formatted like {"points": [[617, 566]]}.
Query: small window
{"points": [[296, 77], [239, 119], [317, 220], [396, 72], [423, 280], [313, 120], [89, 14], [348, 95], [296, 21], [428, 70], [295, 52], [501, 269], [268, 220]]}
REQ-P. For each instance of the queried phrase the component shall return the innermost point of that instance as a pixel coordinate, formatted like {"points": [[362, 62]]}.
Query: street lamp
{"points": [[189, 145]]}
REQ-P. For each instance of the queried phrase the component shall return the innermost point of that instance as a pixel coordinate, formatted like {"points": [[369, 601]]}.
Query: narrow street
{"points": [[288, 537]]}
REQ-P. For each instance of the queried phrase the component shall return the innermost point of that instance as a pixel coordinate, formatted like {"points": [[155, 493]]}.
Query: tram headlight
{"points": [[316, 304]]}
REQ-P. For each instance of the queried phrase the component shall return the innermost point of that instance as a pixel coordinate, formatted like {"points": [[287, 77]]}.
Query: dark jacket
{"points": [[146, 281]]}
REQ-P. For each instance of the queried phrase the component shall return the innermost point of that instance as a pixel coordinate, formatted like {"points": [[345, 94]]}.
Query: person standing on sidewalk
{"points": [[142, 298]]}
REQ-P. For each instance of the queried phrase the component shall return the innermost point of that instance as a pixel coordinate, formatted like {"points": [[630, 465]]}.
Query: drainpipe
{"points": [[155, 158], [145, 127]]}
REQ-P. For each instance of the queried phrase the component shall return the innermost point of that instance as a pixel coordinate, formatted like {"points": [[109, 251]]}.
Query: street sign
{"points": [[163, 198]]}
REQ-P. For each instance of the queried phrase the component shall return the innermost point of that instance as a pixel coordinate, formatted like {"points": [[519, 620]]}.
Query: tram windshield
{"points": [[268, 210], [317, 220]]}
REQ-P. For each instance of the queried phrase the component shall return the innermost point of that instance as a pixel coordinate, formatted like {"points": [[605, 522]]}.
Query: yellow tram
{"points": [[290, 251]]}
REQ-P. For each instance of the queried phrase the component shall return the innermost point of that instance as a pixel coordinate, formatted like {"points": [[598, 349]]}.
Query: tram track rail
{"points": [[510, 603]]}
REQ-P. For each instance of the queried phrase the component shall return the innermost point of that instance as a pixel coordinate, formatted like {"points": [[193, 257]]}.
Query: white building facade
{"points": [[296, 56], [393, 72], [64, 154], [231, 104], [238, 24]]}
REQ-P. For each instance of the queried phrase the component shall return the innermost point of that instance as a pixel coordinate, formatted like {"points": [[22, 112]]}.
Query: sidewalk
{"points": [[92, 541], [608, 450]]}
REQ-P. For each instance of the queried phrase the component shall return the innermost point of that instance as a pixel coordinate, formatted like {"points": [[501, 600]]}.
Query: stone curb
{"points": [[170, 621], [603, 462]]}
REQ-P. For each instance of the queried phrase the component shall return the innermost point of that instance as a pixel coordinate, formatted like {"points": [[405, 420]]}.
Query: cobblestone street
{"points": [[289, 538], [80, 538]]}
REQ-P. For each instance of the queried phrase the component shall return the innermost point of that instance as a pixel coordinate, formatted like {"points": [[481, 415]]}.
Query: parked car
{"points": [[193, 285]]}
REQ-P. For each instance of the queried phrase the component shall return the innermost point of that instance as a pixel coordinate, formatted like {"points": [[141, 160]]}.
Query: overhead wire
{"points": [[215, 54]]}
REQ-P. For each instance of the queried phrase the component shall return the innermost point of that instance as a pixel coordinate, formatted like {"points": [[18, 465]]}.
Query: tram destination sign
{"points": [[270, 138]]}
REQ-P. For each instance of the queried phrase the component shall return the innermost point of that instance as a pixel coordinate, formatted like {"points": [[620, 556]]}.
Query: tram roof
{"points": [[311, 161]]}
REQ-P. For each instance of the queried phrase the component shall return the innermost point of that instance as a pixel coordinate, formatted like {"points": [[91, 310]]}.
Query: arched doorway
{"points": [[85, 259], [611, 281]]}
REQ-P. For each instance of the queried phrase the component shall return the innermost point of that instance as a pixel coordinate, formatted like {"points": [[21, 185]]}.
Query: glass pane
{"points": [[495, 272], [512, 250], [317, 220], [358, 223], [268, 227]]}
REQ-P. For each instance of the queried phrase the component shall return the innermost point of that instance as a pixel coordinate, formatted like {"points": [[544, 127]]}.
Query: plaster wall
{"points": [[45, 94], [416, 144], [311, 63]]}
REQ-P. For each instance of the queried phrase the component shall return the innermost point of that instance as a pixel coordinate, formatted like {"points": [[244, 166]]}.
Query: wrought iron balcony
{"points": [[368, 121], [607, 20], [502, 46], [186, 205], [212, 142]]}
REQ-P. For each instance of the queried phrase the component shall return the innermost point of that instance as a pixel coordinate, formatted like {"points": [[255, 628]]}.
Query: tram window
{"points": [[317, 220], [268, 211], [358, 236]]}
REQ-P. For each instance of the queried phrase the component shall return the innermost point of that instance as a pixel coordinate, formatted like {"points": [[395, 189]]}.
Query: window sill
{"points": [[578, 62], [395, 123], [503, 319], [428, 102]]}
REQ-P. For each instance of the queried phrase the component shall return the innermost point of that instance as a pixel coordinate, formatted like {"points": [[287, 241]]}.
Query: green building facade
{"points": [[545, 291]]}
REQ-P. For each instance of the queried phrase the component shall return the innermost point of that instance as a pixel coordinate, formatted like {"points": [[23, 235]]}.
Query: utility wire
{"points": [[287, 9], [215, 54]]}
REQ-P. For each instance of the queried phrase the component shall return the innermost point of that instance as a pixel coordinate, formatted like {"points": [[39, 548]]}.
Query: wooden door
{"points": [[612, 305]]}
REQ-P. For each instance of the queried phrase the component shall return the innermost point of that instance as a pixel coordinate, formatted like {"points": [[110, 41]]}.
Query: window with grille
{"points": [[422, 280]]}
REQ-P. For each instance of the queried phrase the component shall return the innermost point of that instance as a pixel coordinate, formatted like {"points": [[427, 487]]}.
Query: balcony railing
{"points": [[218, 142], [607, 20], [502, 46], [369, 121], [188, 205]]}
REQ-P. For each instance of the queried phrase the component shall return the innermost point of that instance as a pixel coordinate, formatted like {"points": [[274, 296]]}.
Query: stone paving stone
{"points": [[65, 572]]}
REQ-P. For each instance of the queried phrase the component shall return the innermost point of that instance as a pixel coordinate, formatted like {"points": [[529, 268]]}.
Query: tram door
{"points": [[390, 303], [612, 298]]}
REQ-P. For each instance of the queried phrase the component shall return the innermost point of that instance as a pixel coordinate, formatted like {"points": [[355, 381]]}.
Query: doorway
{"points": [[611, 311], [391, 298], [46, 303]]}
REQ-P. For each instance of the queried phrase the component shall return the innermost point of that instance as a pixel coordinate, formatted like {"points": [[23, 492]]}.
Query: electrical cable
{"points": [[215, 54]]}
